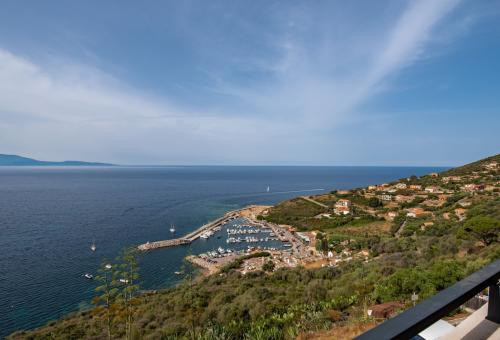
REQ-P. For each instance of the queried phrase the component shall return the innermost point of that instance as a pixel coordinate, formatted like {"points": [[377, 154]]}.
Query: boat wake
{"points": [[293, 191]]}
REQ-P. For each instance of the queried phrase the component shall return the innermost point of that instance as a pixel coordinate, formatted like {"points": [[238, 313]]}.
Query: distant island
{"points": [[15, 160]]}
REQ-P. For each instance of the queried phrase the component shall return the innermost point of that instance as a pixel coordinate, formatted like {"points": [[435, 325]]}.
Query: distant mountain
{"points": [[14, 160]]}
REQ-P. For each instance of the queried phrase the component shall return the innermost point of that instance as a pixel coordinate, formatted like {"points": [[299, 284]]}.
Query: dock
{"points": [[190, 237]]}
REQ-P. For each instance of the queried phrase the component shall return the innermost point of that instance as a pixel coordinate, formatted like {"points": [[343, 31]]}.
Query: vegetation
{"points": [[483, 228]]}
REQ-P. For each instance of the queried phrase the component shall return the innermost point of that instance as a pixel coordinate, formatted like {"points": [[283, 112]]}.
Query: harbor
{"points": [[205, 231], [240, 233]]}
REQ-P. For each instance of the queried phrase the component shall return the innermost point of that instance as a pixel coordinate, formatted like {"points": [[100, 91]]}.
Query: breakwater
{"points": [[190, 237]]}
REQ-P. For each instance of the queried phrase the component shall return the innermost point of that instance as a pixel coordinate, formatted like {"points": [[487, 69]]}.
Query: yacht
{"points": [[88, 276], [92, 246], [172, 228]]}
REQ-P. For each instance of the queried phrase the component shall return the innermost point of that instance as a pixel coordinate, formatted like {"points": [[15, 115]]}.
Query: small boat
{"points": [[92, 246], [268, 189], [177, 273], [123, 280], [172, 228], [88, 276]]}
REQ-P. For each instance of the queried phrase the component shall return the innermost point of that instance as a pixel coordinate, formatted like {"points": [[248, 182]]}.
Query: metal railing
{"points": [[418, 318]]}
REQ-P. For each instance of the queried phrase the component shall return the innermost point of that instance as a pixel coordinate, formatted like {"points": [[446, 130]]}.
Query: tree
{"points": [[445, 273], [484, 228], [268, 266], [374, 202], [321, 242], [402, 284], [128, 274], [107, 291]]}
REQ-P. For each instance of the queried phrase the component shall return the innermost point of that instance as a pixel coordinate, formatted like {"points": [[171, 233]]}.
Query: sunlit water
{"points": [[49, 217]]}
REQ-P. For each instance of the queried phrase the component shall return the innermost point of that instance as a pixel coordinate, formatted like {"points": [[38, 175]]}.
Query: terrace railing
{"points": [[416, 319]]}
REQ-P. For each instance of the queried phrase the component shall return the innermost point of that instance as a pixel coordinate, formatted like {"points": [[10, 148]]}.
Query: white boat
{"points": [[88, 276], [206, 234], [172, 228], [177, 273], [92, 246], [268, 189], [123, 280]]}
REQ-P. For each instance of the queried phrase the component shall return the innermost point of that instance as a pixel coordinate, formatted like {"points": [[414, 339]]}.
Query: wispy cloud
{"points": [[297, 90], [307, 87]]}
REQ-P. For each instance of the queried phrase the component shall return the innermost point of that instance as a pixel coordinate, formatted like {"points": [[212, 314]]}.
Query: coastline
{"points": [[156, 260]]}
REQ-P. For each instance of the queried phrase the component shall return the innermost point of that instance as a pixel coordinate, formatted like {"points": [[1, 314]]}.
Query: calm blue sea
{"points": [[50, 215]]}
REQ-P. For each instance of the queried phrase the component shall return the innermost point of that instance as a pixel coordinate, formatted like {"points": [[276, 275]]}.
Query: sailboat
{"points": [[172, 228], [268, 189], [92, 246]]}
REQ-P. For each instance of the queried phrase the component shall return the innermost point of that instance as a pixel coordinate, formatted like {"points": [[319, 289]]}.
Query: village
{"points": [[400, 209]]}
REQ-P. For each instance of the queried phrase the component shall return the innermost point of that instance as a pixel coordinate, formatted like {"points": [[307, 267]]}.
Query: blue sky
{"points": [[251, 82]]}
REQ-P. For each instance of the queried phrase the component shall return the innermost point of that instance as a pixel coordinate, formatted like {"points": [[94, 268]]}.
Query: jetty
{"points": [[190, 237]]}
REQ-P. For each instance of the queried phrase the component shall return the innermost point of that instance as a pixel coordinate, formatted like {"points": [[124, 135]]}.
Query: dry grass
{"points": [[374, 228], [253, 211], [340, 332], [315, 264]]}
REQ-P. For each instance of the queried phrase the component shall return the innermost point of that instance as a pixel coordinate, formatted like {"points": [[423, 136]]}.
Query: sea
{"points": [[50, 216]]}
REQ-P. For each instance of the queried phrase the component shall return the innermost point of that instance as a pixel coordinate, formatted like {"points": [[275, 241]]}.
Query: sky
{"points": [[251, 82]]}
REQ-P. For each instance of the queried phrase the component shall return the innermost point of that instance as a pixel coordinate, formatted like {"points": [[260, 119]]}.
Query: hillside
{"points": [[14, 160], [367, 246]]}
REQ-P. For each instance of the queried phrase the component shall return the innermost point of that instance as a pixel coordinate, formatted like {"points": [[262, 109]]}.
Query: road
{"points": [[314, 202]]}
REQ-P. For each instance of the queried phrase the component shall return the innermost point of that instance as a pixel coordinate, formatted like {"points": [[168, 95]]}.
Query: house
{"points": [[306, 237], [426, 224], [386, 197], [415, 187], [464, 203], [473, 187], [382, 187], [434, 174], [343, 192], [325, 215], [433, 203], [415, 212], [402, 198], [343, 203], [433, 190], [384, 310], [391, 215], [400, 186], [372, 187], [448, 179], [460, 212], [491, 166], [342, 207]]}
